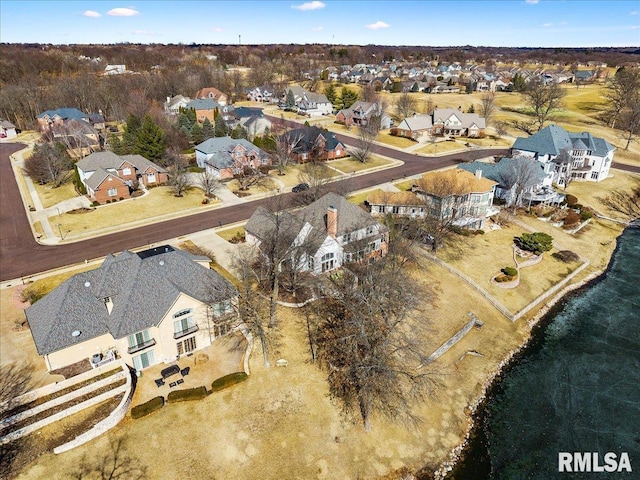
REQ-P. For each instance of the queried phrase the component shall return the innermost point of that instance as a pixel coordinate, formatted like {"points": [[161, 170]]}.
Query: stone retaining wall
{"points": [[107, 424]]}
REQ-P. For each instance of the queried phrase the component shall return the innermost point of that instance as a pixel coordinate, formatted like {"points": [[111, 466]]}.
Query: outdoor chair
{"points": [[172, 384], [180, 381], [185, 371], [159, 382]]}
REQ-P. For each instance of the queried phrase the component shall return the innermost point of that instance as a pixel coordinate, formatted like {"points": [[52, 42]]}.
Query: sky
{"points": [[500, 23]]}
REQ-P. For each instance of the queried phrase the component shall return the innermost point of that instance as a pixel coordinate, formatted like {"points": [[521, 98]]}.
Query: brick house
{"points": [[222, 156], [213, 94], [108, 176], [315, 141]]}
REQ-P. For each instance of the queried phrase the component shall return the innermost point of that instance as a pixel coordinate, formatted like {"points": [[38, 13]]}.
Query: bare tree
{"points": [[317, 175], [624, 203], [286, 144], [178, 178], [367, 134], [521, 174], [209, 183], [248, 174], [629, 122], [15, 380], [621, 93], [405, 105], [488, 106], [543, 99], [49, 163], [370, 341], [253, 308]]}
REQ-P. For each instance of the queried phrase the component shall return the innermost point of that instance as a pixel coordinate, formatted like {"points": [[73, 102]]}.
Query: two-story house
{"points": [[360, 114], [108, 176], [457, 197], [224, 156], [212, 93], [307, 103], [145, 308], [324, 235], [567, 156], [314, 143]]}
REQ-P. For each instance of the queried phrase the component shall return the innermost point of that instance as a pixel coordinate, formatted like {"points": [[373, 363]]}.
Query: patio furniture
{"points": [[185, 371], [172, 370], [172, 384], [159, 382], [180, 381], [282, 363]]}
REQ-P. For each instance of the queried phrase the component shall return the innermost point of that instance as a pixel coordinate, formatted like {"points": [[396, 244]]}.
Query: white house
{"points": [[567, 156]]}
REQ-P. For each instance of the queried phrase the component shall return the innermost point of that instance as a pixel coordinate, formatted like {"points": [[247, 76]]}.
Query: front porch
{"points": [[222, 357]]}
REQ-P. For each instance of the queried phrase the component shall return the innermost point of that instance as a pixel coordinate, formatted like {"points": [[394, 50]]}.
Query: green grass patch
{"points": [[230, 233], [197, 393], [405, 185], [147, 408], [228, 381]]}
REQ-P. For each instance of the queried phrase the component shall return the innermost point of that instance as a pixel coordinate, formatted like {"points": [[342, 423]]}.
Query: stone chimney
{"points": [[332, 221], [478, 173]]}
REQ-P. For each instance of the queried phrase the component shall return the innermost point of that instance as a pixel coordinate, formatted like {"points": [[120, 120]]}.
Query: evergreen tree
{"points": [[127, 145], [472, 109], [348, 97], [207, 130], [150, 141], [519, 84], [290, 102], [239, 132], [196, 133], [331, 94], [220, 129], [397, 87]]}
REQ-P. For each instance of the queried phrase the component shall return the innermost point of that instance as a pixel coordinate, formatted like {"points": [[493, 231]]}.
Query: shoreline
{"points": [[494, 376]]}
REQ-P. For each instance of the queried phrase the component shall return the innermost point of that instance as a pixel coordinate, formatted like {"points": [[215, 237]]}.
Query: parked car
{"points": [[301, 187]]}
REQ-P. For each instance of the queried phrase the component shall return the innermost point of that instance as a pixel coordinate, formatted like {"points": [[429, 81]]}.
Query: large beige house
{"points": [[145, 308]]}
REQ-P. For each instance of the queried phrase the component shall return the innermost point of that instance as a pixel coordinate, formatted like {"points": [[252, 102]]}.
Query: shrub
{"points": [[228, 380], [205, 201], [121, 198], [197, 393], [572, 218], [566, 256], [146, 408], [571, 200], [510, 271], [479, 232], [95, 203], [585, 215], [537, 242]]}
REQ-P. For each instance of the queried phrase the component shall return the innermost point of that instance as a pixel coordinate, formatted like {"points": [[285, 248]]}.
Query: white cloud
{"points": [[635, 12], [317, 29], [532, 2], [216, 29], [634, 27], [91, 13], [564, 23], [377, 25], [550, 24], [315, 5], [123, 12]]}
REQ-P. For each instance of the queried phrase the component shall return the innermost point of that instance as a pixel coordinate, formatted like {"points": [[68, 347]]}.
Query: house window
{"points": [[126, 171], [347, 237], [222, 308], [186, 346], [371, 229], [185, 324], [112, 192], [151, 178], [139, 341], [594, 175], [311, 264], [328, 262], [395, 209], [143, 360]]}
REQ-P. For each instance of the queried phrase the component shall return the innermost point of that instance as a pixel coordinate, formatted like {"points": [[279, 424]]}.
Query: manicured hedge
{"points": [[146, 408], [197, 393], [228, 380], [510, 271]]}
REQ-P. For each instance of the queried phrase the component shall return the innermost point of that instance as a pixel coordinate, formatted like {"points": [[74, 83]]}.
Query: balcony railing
{"points": [[183, 333], [141, 346]]}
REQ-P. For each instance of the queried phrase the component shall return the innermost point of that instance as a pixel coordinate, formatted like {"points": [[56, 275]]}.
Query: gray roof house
{"points": [[323, 235], [143, 307], [589, 157], [221, 155]]}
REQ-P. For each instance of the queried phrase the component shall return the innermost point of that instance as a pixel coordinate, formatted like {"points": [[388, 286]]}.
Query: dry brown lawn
{"points": [[49, 196], [349, 165], [441, 147]]}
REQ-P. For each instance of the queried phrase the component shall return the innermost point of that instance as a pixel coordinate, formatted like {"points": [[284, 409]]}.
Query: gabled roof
{"points": [[416, 123], [203, 104], [65, 113], [498, 171], [106, 160], [380, 197], [219, 149], [460, 182], [441, 115], [209, 92], [142, 289], [308, 137], [553, 139]]}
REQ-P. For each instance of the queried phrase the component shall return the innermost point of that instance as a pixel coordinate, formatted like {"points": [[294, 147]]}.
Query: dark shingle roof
{"points": [[553, 139], [220, 149], [309, 135], [65, 113], [142, 291]]}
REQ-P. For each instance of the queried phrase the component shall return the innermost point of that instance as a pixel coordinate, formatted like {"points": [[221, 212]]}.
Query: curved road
{"points": [[21, 255]]}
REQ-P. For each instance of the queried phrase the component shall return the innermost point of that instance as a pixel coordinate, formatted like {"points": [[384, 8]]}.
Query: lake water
{"points": [[575, 388]]}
